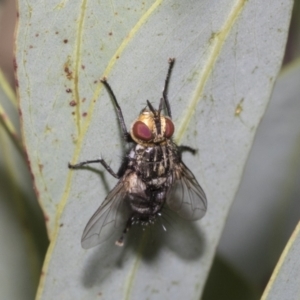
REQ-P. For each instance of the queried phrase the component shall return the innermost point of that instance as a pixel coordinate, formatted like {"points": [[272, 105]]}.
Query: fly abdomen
{"points": [[157, 182], [149, 205]]}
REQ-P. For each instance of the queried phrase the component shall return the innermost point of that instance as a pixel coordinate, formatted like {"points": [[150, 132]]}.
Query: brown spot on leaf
{"points": [[67, 68], [15, 64], [68, 72], [73, 103], [84, 114]]}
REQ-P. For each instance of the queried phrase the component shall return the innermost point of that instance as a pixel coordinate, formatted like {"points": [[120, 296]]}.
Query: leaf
{"points": [[227, 58], [20, 254], [268, 198], [284, 283]]}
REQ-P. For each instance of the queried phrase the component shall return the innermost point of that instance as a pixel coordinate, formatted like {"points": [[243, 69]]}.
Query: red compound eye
{"points": [[141, 131], [169, 128]]}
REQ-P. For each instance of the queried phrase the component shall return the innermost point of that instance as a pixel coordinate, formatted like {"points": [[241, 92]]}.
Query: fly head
{"points": [[152, 127]]}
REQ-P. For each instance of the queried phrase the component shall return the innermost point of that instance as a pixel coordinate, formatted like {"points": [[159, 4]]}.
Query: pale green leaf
{"points": [[267, 203], [227, 57], [20, 258], [284, 283]]}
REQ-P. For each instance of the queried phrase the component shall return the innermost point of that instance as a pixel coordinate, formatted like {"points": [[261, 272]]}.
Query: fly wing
{"points": [[112, 214], [186, 197]]}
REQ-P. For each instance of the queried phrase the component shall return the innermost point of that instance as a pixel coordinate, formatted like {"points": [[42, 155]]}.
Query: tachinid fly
{"points": [[152, 174]]}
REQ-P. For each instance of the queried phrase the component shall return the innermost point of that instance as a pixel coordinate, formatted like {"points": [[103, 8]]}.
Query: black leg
{"points": [[119, 111], [120, 241], [187, 148], [165, 90], [100, 160]]}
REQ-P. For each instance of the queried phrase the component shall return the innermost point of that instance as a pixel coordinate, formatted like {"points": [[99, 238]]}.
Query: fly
{"points": [[151, 175]]}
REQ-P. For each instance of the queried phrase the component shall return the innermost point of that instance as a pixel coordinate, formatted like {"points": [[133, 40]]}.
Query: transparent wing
{"points": [[186, 197], [112, 214]]}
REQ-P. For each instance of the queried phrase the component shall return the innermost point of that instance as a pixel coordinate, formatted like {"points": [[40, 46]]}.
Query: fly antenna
{"points": [[156, 116], [151, 107], [160, 105]]}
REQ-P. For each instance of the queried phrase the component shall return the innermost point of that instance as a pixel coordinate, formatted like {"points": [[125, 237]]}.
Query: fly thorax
{"points": [[153, 163]]}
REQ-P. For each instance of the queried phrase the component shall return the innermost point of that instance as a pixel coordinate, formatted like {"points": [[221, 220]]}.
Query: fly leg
{"points": [[187, 148], [100, 160], [126, 136], [122, 124], [165, 90], [120, 241]]}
